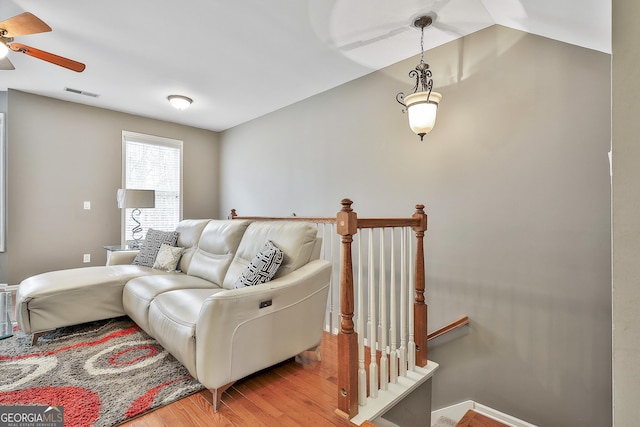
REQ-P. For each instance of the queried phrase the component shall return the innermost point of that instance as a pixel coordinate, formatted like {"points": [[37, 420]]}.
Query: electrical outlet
{"points": [[86, 258]]}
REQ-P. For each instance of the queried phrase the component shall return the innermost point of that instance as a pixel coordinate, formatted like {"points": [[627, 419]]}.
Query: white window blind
{"points": [[153, 163]]}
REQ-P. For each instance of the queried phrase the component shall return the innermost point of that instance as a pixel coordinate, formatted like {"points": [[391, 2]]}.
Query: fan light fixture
{"points": [[179, 102], [25, 24], [421, 107]]}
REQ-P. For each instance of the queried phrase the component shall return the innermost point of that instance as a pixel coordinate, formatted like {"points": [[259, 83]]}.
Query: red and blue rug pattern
{"points": [[102, 373]]}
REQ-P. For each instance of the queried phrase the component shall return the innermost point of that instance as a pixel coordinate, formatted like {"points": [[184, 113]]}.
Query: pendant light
{"points": [[422, 105]]}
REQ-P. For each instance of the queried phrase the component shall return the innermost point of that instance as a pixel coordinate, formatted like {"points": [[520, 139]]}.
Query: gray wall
{"points": [[626, 212], [61, 154], [516, 181]]}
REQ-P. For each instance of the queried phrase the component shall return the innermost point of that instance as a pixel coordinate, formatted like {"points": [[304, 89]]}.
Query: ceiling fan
{"points": [[21, 25]]}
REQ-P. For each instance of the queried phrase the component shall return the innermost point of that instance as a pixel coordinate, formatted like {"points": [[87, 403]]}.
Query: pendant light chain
{"points": [[422, 45]]}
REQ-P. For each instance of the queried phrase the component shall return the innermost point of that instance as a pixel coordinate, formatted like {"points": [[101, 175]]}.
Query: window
{"points": [[152, 163]]}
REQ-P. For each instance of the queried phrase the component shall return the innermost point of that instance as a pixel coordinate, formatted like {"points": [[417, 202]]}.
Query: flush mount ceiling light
{"points": [[421, 106], [179, 102]]}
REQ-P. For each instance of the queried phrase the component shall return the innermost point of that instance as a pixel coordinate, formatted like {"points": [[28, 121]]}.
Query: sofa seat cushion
{"points": [[139, 292], [173, 317], [69, 297]]}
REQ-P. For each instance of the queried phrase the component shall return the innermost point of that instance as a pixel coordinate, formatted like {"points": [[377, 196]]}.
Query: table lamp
{"points": [[136, 199]]}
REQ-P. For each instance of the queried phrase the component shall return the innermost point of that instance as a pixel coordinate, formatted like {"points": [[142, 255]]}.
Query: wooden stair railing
{"points": [[347, 225]]}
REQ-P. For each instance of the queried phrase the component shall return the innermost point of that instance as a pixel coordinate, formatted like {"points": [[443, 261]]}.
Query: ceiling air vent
{"points": [[81, 92]]}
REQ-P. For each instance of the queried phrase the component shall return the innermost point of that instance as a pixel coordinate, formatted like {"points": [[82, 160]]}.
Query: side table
{"points": [[6, 325], [118, 248]]}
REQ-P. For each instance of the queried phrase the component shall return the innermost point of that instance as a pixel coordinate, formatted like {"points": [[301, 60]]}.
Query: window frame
{"points": [[3, 186], [153, 140]]}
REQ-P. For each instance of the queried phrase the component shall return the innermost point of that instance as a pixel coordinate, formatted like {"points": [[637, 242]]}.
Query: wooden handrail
{"points": [[362, 222], [463, 321], [318, 220], [387, 222]]}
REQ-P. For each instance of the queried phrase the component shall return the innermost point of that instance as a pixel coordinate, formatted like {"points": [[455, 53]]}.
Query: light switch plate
{"points": [[87, 206]]}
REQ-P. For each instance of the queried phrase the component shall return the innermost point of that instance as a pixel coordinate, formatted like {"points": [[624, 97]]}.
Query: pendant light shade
{"points": [[421, 109]]}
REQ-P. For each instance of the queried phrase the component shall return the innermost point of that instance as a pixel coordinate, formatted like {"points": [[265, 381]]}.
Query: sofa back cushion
{"points": [[296, 239], [189, 231], [217, 245]]}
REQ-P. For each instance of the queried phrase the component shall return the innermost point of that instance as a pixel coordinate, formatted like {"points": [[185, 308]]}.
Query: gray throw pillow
{"points": [[152, 242], [262, 267]]}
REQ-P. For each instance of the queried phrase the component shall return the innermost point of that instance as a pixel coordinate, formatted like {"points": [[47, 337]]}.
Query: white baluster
{"points": [[362, 373], [333, 234], [373, 325], [384, 361], [402, 351], [393, 363], [329, 319], [411, 349]]}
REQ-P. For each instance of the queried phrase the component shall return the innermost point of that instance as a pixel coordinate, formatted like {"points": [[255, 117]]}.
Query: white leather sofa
{"points": [[220, 334]]}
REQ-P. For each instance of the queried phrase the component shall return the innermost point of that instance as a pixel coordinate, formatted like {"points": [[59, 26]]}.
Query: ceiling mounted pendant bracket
{"points": [[423, 22]]}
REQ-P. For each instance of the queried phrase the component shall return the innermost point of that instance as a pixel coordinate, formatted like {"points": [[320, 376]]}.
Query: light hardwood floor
{"points": [[300, 392]]}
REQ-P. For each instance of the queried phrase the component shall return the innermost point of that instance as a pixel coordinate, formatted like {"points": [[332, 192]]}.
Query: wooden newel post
{"points": [[420, 307], [347, 226]]}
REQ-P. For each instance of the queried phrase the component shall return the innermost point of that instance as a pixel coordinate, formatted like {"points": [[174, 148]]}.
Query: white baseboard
{"points": [[457, 411]]}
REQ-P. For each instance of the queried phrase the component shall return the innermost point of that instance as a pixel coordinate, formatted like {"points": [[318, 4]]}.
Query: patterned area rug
{"points": [[101, 373]]}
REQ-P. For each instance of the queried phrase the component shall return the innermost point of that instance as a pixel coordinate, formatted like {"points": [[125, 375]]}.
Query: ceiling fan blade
{"points": [[23, 24], [49, 57], [5, 64]]}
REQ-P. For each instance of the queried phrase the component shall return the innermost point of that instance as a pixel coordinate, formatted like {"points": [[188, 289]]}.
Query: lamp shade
{"points": [[136, 198], [421, 109]]}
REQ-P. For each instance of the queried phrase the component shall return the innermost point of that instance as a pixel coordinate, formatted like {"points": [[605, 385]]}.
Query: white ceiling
{"points": [[240, 59]]}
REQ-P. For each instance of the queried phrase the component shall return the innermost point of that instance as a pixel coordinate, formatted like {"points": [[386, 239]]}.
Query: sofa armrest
{"points": [[242, 331], [122, 257]]}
